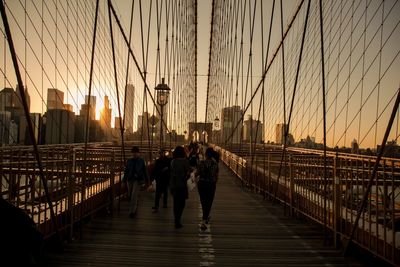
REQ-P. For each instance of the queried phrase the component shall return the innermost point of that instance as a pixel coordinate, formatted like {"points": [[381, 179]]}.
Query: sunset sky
{"points": [[63, 61]]}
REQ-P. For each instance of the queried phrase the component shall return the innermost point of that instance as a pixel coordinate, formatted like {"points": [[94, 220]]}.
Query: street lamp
{"points": [[216, 130], [216, 123], [162, 93]]}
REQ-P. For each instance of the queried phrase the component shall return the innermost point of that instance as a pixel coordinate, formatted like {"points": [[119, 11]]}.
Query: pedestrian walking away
{"points": [[161, 174], [208, 177], [180, 170], [135, 175]]}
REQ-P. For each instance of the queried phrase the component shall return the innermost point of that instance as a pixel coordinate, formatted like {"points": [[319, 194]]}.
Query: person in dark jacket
{"points": [[180, 169], [193, 155], [208, 177], [135, 176], [22, 244], [161, 173]]}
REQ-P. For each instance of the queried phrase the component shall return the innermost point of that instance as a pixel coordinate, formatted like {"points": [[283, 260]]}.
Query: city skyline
{"points": [[59, 112], [63, 63]]}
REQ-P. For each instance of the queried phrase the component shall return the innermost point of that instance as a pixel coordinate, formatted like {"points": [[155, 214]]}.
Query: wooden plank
{"points": [[244, 231]]}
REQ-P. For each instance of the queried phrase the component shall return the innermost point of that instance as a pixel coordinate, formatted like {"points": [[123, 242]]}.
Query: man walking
{"points": [[135, 176], [161, 173]]}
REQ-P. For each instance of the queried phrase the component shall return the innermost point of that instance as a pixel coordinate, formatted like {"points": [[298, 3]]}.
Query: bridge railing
{"points": [[78, 185], [332, 201]]}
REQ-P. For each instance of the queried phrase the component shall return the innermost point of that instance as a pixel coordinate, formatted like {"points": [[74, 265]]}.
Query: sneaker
{"points": [[132, 215], [203, 226], [155, 210]]}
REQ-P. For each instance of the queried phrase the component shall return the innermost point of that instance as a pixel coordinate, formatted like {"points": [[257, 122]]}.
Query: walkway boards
{"points": [[244, 231]]}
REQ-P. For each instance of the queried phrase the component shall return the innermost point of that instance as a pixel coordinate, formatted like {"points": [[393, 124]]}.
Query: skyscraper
{"points": [[105, 117], [129, 108], [10, 101], [60, 126], [55, 99], [92, 101], [280, 133], [5, 124], [230, 117], [117, 123], [253, 130], [143, 125], [91, 108]]}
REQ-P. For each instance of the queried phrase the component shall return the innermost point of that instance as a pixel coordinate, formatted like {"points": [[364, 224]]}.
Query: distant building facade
{"points": [[230, 118], [129, 108], [280, 133], [60, 126], [10, 101], [253, 130], [55, 99], [105, 118]]}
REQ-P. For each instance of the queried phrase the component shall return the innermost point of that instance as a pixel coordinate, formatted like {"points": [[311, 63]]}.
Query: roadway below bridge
{"points": [[245, 230]]}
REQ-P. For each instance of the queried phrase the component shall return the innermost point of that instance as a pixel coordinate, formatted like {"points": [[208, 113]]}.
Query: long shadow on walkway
{"points": [[244, 231]]}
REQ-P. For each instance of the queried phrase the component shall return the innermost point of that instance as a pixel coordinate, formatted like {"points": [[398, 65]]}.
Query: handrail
{"points": [[301, 192]]}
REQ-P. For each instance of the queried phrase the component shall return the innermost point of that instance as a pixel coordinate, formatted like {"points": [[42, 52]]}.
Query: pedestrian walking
{"points": [[208, 177], [135, 175], [180, 170], [161, 174]]}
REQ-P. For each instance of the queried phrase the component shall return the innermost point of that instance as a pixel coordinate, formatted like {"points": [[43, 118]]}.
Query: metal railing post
{"points": [[337, 199], [71, 193], [270, 185], [112, 182], [291, 186]]}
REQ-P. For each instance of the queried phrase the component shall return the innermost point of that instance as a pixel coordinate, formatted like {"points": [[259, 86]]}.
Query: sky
{"points": [[54, 65], [204, 27]]}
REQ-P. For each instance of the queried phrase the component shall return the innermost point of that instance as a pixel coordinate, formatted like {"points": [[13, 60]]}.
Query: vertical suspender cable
{"points": [[127, 73], [195, 61], [324, 115], [88, 104], [283, 73], [266, 68], [116, 81], [27, 116], [293, 98], [374, 171], [209, 58]]}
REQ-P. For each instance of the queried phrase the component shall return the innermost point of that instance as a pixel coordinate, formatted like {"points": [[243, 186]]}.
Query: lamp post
{"points": [[162, 93], [216, 123], [216, 130]]}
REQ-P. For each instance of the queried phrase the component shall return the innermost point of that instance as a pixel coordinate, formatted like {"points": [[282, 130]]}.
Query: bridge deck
{"points": [[244, 231]]}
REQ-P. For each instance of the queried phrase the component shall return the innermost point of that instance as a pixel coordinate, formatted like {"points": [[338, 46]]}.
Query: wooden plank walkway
{"points": [[244, 231]]}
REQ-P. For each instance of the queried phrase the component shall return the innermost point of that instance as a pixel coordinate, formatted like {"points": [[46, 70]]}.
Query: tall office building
{"points": [[55, 99], [60, 126], [230, 118], [143, 125], [105, 118], [37, 123], [117, 123], [92, 101], [280, 133], [11, 101], [129, 108], [84, 111], [5, 123], [89, 107], [253, 130]]}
